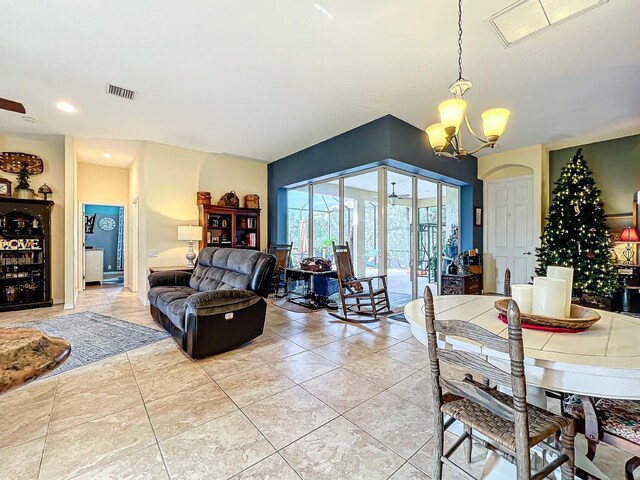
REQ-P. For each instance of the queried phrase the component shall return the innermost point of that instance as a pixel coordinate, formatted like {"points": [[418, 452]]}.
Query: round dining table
{"points": [[603, 361]]}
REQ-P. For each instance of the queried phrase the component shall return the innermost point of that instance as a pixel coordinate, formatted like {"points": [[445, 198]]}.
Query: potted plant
{"points": [[326, 246], [451, 247]]}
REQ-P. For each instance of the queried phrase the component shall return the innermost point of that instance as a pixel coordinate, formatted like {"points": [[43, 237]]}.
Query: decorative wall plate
{"points": [[13, 162]]}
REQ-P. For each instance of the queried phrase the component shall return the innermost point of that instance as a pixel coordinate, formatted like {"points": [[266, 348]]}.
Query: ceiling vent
{"points": [[525, 18], [120, 92]]}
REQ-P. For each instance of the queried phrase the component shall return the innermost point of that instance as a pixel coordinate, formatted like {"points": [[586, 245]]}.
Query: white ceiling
{"points": [[92, 150], [265, 79]]}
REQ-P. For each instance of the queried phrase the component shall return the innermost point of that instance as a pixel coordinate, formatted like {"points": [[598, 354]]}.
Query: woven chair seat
{"points": [[542, 424], [365, 293], [617, 417]]}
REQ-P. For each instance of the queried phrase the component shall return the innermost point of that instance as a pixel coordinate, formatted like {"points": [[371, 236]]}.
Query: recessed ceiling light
{"points": [[65, 107], [29, 119], [106, 155]]}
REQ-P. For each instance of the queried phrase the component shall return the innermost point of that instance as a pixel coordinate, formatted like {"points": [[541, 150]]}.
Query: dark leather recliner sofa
{"points": [[218, 307]]}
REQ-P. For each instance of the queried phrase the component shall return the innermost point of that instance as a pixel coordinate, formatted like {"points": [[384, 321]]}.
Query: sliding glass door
{"points": [[298, 223], [427, 236], [399, 237], [326, 218], [361, 220], [402, 225]]}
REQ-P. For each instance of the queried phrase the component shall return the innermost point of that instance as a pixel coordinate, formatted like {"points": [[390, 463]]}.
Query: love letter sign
{"points": [[20, 244]]}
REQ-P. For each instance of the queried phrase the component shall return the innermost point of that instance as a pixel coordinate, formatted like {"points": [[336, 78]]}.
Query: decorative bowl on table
{"points": [[581, 317]]}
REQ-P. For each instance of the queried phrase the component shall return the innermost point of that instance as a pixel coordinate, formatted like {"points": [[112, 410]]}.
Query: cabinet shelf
{"points": [[25, 273], [235, 234]]}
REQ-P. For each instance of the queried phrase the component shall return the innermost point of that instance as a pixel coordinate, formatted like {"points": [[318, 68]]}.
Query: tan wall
{"points": [[101, 185], [170, 177], [137, 228], [71, 248], [52, 150]]}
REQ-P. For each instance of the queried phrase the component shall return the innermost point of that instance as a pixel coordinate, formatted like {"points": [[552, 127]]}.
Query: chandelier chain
{"points": [[459, 39]]}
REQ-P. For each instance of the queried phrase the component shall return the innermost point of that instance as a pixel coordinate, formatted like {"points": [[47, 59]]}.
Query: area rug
{"points": [[93, 336]]}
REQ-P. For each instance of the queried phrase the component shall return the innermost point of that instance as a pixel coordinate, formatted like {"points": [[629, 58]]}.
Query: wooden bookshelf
{"points": [[230, 227]]}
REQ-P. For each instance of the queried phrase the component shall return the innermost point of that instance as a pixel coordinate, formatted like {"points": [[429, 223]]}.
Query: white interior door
{"points": [[509, 228]]}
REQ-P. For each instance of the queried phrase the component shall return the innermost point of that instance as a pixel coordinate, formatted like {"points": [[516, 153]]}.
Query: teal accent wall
{"points": [[385, 141], [108, 241], [616, 169]]}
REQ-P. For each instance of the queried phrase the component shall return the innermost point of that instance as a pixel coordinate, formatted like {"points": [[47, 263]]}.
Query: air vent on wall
{"points": [[525, 18], [120, 92]]}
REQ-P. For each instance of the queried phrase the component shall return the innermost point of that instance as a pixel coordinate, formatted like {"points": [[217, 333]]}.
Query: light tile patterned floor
{"points": [[312, 398]]}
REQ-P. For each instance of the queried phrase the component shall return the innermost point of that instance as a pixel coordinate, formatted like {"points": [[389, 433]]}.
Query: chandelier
{"points": [[446, 137]]}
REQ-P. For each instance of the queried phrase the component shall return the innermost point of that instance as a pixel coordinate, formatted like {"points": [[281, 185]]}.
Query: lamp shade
{"points": [[495, 122], [437, 137], [629, 235], [451, 114], [189, 233]]}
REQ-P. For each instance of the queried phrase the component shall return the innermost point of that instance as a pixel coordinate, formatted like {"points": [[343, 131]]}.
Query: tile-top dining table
{"points": [[603, 361]]}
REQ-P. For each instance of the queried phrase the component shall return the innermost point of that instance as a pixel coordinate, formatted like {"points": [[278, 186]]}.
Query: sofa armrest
{"points": [[220, 301], [169, 278]]}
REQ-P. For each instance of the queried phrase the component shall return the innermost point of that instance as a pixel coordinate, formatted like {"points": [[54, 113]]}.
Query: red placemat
{"points": [[529, 326]]}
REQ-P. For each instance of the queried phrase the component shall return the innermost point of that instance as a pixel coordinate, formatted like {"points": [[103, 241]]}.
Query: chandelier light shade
{"points": [[437, 137], [445, 137], [452, 114], [495, 122]]}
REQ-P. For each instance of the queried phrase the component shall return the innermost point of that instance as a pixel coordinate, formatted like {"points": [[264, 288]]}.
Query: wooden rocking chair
{"points": [[359, 296]]}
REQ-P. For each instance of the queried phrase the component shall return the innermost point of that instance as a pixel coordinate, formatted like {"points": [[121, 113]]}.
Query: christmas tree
{"points": [[576, 234], [23, 178]]}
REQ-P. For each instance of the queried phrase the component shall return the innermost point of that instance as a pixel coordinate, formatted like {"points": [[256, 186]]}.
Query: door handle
{"points": [[527, 253]]}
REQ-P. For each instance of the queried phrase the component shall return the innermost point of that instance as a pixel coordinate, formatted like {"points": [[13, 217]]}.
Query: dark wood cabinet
{"points": [[461, 284], [627, 298], [230, 227], [25, 254]]}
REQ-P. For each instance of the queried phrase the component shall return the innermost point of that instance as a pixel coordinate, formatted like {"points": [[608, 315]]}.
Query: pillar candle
{"points": [[523, 296], [566, 274], [549, 296]]}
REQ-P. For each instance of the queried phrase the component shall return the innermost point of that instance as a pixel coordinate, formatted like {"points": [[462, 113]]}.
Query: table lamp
{"points": [[629, 235], [190, 234]]}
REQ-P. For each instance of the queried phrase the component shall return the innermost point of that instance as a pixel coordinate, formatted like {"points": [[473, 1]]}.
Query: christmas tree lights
{"points": [[576, 234]]}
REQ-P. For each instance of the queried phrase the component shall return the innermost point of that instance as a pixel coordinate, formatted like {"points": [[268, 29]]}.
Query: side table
{"points": [[315, 290]]}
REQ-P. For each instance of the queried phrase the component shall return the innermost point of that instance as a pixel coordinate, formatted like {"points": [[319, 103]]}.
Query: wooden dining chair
{"points": [[282, 252], [358, 296], [507, 282], [511, 426], [610, 421]]}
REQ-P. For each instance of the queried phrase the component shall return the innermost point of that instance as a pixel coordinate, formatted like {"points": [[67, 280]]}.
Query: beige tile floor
{"points": [[312, 398]]}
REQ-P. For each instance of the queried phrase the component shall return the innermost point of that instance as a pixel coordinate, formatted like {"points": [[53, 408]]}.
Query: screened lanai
{"points": [[353, 208]]}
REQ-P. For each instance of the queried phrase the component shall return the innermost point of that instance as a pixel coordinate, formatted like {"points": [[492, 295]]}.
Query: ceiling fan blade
{"points": [[12, 106]]}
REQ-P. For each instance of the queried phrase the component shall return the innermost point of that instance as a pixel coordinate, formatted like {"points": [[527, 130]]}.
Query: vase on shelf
{"points": [[24, 193]]}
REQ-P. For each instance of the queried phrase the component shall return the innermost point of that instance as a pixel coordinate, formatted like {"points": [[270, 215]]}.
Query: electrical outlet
{"points": [[153, 253]]}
